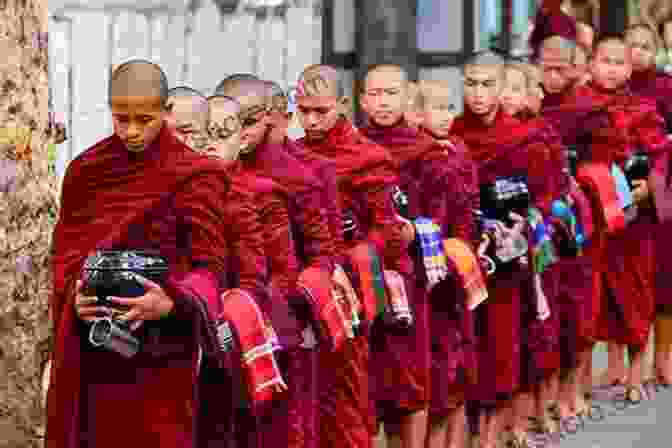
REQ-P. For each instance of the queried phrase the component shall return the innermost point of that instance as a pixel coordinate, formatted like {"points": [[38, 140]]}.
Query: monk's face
{"points": [[439, 113], [188, 117], [514, 93], [643, 48], [482, 87], [224, 131], [254, 128], [318, 114], [385, 97], [535, 95], [611, 67], [137, 120], [557, 70]]}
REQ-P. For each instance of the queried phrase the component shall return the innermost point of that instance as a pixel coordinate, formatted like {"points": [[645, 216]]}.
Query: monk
{"points": [[191, 107], [624, 259], [314, 245], [447, 428], [655, 86], [151, 192], [365, 176], [505, 150], [579, 300]]}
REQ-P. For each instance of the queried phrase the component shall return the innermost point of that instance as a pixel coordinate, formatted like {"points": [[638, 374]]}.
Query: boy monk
{"points": [[365, 176], [191, 106], [655, 86], [453, 367], [311, 233], [151, 192], [505, 150]]}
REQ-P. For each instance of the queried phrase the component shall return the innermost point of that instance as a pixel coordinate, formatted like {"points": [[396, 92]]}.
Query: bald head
{"points": [[278, 97], [252, 95], [387, 70], [188, 114], [225, 84], [138, 78], [483, 82], [485, 59], [319, 80], [385, 94]]}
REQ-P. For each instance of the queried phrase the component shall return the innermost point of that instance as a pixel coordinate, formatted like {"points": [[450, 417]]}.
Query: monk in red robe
{"points": [[623, 258], [314, 246], [151, 192], [655, 86], [579, 300], [521, 155], [365, 176], [453, 366]]}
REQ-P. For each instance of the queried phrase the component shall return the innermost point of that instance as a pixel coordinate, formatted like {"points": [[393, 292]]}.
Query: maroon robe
{"points": [[172, 199], [625, 260], [507, 148], [433, 177], [657, 87], [364, 177], [313, 247]]}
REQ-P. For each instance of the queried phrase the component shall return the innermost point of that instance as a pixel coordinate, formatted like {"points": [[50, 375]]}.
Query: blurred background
{"points": [[199, 42]]}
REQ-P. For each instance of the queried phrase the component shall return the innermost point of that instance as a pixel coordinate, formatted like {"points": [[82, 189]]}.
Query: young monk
{"points": [[279, 118], [191, 106], [578, 300], [503, 148], [365, 176], [449, 384], [434, 186], [145, 181], [655, 86], [625, 263], [310, 230]]}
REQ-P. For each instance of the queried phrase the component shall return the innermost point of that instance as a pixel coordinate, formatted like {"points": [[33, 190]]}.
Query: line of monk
{"points": [[434, 279]]}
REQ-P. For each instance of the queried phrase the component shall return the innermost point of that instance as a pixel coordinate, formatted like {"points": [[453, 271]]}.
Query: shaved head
{"points": [[138, 78], [223, 86], [252, 95], [224, 127], [188, 114], [483, 82], [385, 94], [278, 96], [386, 69], [320, 80], [485, 59]]}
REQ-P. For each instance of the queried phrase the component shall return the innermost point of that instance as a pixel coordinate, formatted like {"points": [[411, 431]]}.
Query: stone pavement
{"points": [[646, 425]]}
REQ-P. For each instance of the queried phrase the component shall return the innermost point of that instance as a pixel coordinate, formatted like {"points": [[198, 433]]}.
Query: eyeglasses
{"points": [[223, 130]]}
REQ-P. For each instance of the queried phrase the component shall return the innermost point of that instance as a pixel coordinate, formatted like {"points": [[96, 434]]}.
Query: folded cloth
{"points": [[543, 252], [398, 308], [368, 267], [467, 270], [326, 311], [345, 295], [598, 182], [431, 250], [257, 342]]}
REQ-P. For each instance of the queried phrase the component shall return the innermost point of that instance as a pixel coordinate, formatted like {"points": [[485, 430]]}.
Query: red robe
{"points": [[625, 261], [507, 148], [364, 177], [433, 178], [172, 199]]}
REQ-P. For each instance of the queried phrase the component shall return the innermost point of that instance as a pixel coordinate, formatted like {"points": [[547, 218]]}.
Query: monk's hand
{"points": [[87, 307], [153, 305], [641, 191]]}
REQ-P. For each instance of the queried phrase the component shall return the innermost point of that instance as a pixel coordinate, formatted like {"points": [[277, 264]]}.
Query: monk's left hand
{"points": [[641, 191], [153, 305]]}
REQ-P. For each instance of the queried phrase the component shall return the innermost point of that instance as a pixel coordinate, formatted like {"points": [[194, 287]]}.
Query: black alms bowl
{"points": [[113, 273]]}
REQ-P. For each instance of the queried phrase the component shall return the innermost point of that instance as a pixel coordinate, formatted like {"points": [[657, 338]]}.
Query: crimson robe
{"points": [[657, 87], [365, 176], [179, 202], [625, 261], [313, 246], [434, 177], [506, 148]]}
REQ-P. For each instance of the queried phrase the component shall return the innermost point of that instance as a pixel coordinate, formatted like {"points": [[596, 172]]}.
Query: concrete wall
{"points": [[194, 48]]}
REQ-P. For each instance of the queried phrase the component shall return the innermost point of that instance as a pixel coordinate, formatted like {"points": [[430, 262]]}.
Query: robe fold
{"points": [[625, 261], [508, 148], [365, 176], [433, 177], [174, 200], [658, 87]]}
